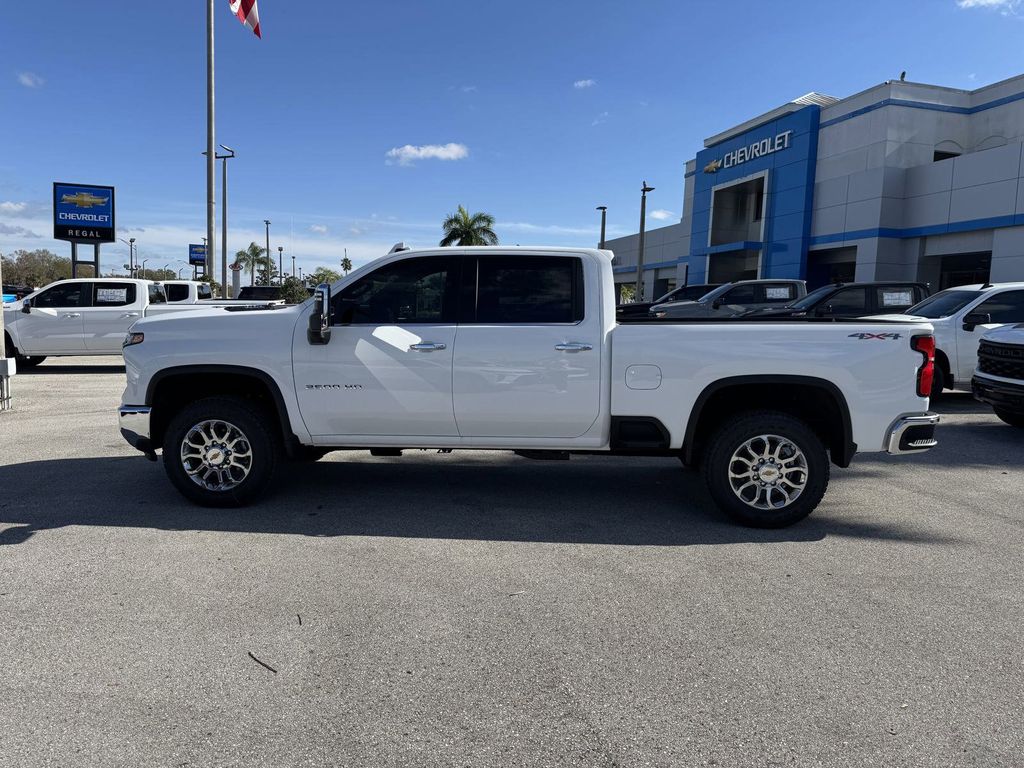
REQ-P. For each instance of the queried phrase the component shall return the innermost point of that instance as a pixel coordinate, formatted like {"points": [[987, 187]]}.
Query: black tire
{"points": [[938, 381], [254, 424], [813, 469], [1013, 418]]}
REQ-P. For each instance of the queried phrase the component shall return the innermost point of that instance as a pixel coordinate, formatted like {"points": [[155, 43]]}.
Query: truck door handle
{"points": [[427, 346], [573, 346], [71, 315], [130, 314]]}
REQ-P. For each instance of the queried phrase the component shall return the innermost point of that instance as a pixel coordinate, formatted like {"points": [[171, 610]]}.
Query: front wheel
{"points": [[24, 362], [1013, 418], [218, 452], [766, 469]]}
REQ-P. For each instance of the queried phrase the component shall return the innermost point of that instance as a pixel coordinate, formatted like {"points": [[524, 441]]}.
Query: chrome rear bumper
{"points": [[912, 434]]}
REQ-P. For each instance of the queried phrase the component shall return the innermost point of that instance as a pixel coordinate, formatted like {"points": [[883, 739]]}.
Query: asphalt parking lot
{"points": [[481, 609]]}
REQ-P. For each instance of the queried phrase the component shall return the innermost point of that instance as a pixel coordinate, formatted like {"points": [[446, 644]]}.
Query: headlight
{"points": [[131, 339], [660, 314]]}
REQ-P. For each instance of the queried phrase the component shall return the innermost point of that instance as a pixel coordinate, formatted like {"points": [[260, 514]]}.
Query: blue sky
{"points": [[535, 112]]}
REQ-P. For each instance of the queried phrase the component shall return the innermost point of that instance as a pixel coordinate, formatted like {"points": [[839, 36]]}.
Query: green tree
{"points": [[251, 259], [266, 274], [322, 275], [463, 228], [37, 268], [293, 291], [346, 265]]}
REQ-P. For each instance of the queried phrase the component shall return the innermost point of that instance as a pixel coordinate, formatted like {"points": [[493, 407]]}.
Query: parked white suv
{"points": [[960, 317]]}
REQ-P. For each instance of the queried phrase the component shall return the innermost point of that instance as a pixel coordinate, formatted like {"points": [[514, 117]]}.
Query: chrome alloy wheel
{"points": [[216, 455], [768, 472]]}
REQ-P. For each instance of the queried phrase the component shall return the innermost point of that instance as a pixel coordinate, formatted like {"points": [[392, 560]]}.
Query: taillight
{"points": [[926, 346]]}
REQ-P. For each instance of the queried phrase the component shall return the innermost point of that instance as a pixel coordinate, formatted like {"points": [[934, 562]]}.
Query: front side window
{"points": [[113, 294], [529, 289], [417, 290], [67, 295], [204, 291], [741, 294], [1006, 307], [849, 302], [943, 304], [157, 295]]}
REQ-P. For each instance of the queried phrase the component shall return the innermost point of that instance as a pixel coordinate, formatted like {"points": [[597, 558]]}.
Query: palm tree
{"points": [[346, 265], [461, 228], [252, 259]]}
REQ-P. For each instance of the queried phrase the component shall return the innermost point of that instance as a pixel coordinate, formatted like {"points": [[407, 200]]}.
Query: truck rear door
{"points": [[528, 352], [115, 306]]}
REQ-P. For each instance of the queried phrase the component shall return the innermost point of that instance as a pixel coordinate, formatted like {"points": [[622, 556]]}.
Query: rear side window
{"points": [[175, 292], [529, 289], [67, 295], [892, 298], [1007, 307], [204, 291], [157, 295], [113, 294]]}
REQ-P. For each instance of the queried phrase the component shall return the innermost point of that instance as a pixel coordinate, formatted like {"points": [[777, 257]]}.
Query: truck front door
{"points": [[54, 323], [528, 353], [388, 367], [1003, 307]]}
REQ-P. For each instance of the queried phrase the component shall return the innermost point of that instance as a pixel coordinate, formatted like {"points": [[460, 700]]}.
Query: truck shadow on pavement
{"points": [[590, 500], [44, 369]]}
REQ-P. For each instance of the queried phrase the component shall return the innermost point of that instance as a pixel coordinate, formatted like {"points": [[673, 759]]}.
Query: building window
{"points": [[736, 212], [943, 155]]}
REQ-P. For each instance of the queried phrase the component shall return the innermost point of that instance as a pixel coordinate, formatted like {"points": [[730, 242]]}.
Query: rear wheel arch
{"points": [[816, 401], [942, 362], [172, 389]]}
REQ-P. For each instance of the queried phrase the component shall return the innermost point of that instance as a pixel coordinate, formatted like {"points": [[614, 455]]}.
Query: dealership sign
{"points": [[761, 148], [197, 254], [83, 213]]}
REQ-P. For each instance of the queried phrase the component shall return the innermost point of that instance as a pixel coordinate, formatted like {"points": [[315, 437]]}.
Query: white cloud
{"points": [[602, 118], [1005, 7], [10, 207], [407, 154], [356, 231], [468, 89], [30, 79], [661, 214], [319, 229], [588, 83]]}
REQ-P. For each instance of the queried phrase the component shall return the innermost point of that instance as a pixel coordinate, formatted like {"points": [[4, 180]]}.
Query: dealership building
{"points": [[903, 181]]}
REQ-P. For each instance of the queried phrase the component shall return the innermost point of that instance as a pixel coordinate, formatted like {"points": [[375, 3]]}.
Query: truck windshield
{"points": [[943, 304]]}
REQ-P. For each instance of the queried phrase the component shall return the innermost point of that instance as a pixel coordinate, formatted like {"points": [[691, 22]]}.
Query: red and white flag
{"points": [[247, 13]]}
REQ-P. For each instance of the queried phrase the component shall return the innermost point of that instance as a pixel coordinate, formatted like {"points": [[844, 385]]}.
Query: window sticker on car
{"points": [[777, 293], [111, 295], [897, 298]]}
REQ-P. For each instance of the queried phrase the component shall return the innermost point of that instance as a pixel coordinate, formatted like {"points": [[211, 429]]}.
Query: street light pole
{"points": [[211, 204], [224, 219], [604, 214], [293, 263], [268, 262], [143, 270], [280, 269], [640, 249]]}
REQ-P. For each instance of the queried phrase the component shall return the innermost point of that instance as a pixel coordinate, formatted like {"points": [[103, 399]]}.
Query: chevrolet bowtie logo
{"points": [[713, 166], [84, 199]]}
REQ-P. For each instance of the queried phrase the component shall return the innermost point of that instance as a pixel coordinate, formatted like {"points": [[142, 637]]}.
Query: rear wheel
{"points": [[218, 452], [766, 469], [1013, 418]]}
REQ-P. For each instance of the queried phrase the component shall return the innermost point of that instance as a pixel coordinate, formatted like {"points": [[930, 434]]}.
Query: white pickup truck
{"points": [[519, 349], [198, 293], [88, 316]]}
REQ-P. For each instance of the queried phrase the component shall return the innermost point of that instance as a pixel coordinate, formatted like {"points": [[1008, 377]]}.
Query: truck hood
{"points": [[1007, 334]]}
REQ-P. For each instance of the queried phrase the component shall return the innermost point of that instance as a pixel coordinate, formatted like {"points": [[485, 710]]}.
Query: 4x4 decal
{"points": [[882, 336]]}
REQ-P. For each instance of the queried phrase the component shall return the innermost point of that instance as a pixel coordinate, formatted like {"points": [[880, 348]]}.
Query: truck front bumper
{"points": [[1001, 394], [912, 434], [134, 423]]}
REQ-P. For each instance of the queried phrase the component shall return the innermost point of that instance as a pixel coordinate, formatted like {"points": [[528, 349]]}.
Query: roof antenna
{"points": [[398, 247]]}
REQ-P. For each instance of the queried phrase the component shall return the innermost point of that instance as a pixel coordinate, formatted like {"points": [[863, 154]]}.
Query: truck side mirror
{"points": [[26, 306], [717, 303], [973, 319], [319, 331]]}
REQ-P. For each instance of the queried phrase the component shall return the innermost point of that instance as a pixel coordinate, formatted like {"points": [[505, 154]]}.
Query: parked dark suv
{"points": [[682, 293], [850, 300]]}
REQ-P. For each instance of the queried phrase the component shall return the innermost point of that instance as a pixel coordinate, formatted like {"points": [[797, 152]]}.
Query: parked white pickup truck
{"points": [[88, 316], [519, 349], [960, 317], [198, 293], [999, 379]]}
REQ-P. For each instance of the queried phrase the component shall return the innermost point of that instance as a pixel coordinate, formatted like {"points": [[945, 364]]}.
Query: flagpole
{"points": [[211, 214]]}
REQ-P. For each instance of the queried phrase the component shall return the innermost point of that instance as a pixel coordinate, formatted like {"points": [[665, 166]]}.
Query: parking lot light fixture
{"points": [[640, 245]]}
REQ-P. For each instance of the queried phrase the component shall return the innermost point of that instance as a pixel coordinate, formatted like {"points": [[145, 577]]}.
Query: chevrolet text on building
{"points": [[743, 154]]}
